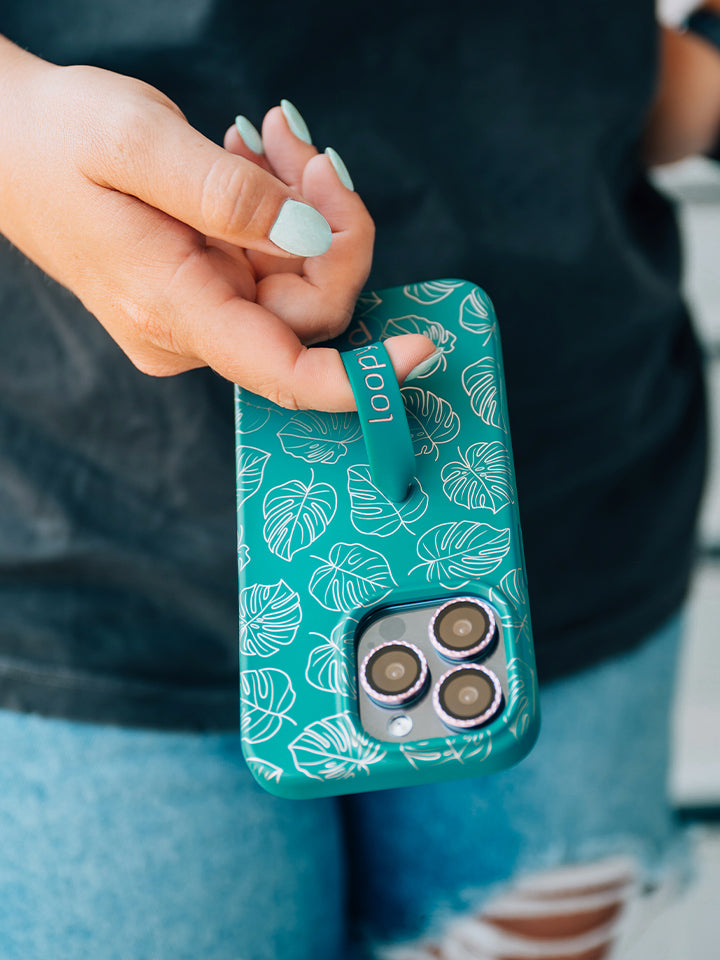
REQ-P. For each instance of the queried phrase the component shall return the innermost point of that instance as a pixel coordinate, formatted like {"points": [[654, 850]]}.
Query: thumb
{"points": [[171, 166]]}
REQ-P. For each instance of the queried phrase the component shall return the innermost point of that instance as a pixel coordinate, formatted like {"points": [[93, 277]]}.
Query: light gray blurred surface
{"points": [[681, 927]]}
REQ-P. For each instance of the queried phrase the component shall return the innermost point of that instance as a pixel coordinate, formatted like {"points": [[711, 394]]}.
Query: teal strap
{"points": [[382, 418]]}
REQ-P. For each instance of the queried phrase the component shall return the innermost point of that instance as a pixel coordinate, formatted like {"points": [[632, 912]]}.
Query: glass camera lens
{"points": [[467, 697], [394, 673], [463, 629]]}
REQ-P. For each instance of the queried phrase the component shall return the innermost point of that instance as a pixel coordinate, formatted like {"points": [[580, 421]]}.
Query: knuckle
{"points": [[337, 322], [157, 366], [282, 395], [151, 328], [226, 199]]}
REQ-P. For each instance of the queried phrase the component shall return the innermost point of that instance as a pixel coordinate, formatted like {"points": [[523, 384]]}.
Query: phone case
{"points": [[320, 546]]}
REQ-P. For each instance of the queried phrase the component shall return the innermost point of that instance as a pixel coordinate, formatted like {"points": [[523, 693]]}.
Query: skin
{"points": [[685, 118], [163, 235]]}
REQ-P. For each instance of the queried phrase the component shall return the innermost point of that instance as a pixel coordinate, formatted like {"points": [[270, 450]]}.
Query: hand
{"points": [[163, 235]]}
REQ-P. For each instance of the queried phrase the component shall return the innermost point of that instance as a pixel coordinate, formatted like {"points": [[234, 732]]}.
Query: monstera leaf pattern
{"points": [[432, 292], [243, 551], [453, 553], [254, 414], [319, 437], [326, 546], [431, 419], [522, 689], [475, 316], [367, 302], [451, 749], [513, 589], [481, 479], [265, 770], [432, 329], [372, 513], [331, 664], [353, 576], [481, 382], [296, 514], [266, 695], [269, 617], [333, 749], [250, 468]]}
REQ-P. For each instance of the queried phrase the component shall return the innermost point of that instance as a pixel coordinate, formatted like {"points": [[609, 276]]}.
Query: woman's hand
{"points": [[165, 236]]}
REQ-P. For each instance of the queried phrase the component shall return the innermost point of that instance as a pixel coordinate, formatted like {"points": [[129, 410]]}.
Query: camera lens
{"points": [[463, 629], [467, 697], [394, 673]]}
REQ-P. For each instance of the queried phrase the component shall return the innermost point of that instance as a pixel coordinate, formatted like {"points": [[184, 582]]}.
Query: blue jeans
{"points": [[121, 844]]}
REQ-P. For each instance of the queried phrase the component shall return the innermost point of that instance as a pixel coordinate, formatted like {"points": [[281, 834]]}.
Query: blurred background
{"points": [[687, 927]]}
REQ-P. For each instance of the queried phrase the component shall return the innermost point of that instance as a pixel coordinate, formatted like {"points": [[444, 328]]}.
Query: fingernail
{"points": [[301, 230], [295, 121], [250, 137], [340, 169], [425, 365]]}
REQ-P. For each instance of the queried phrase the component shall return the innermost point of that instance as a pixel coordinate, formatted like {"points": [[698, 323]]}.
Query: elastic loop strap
{"points": [[382, 418]]}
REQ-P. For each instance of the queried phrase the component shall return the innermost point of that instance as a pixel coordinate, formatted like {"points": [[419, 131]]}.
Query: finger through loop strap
{"points": [[383, 419]]}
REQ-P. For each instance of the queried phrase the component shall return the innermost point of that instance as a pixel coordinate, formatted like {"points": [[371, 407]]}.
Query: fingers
{"points": [[173, 303], [244, 140], [159, 158], [319, 304]]}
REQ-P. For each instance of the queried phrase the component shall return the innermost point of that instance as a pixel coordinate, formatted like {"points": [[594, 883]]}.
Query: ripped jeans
{"points": [[122, 844]]}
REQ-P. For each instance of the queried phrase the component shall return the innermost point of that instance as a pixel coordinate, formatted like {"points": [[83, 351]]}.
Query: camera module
{"points": [[467, 697], [463, 629], [394, 673]]}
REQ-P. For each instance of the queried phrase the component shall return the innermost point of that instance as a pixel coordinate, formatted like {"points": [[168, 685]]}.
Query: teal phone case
{"points": [[320, 546]]}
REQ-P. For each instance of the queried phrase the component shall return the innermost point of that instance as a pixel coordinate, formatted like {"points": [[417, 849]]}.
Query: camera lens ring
{"points": [[402, 697], [483, 645], [471, 722]]}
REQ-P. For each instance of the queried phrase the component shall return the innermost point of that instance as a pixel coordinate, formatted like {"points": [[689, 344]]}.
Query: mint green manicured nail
{"points": [[340, 169], [250, 137], [295, 121], [301, 230], [425, 366]]}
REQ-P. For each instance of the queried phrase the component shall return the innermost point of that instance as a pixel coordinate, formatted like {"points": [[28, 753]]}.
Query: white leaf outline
{"points": [[251, 463], [333, 749], [482, 479], [431, 419], [317, 437], [270, 615], [263, 768], [253, 414], [368, 505], [367, 302], [448, 750], [296, 511], [342, 587], [331, 664], [243, 551], [266, 696], [481, 382], [432, 329], [433, 291], [521, 684], [475, 316], [454, 553], [513, 590]]}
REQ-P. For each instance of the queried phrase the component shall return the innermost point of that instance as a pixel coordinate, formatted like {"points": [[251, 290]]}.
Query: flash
{"points": [[400, 726]]}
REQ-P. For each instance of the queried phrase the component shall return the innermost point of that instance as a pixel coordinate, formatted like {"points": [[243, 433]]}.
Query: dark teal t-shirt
{"points": [[493, 142]]}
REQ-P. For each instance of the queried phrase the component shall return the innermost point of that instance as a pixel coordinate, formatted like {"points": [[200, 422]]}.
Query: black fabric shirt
{"points": [[494, 142]]}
